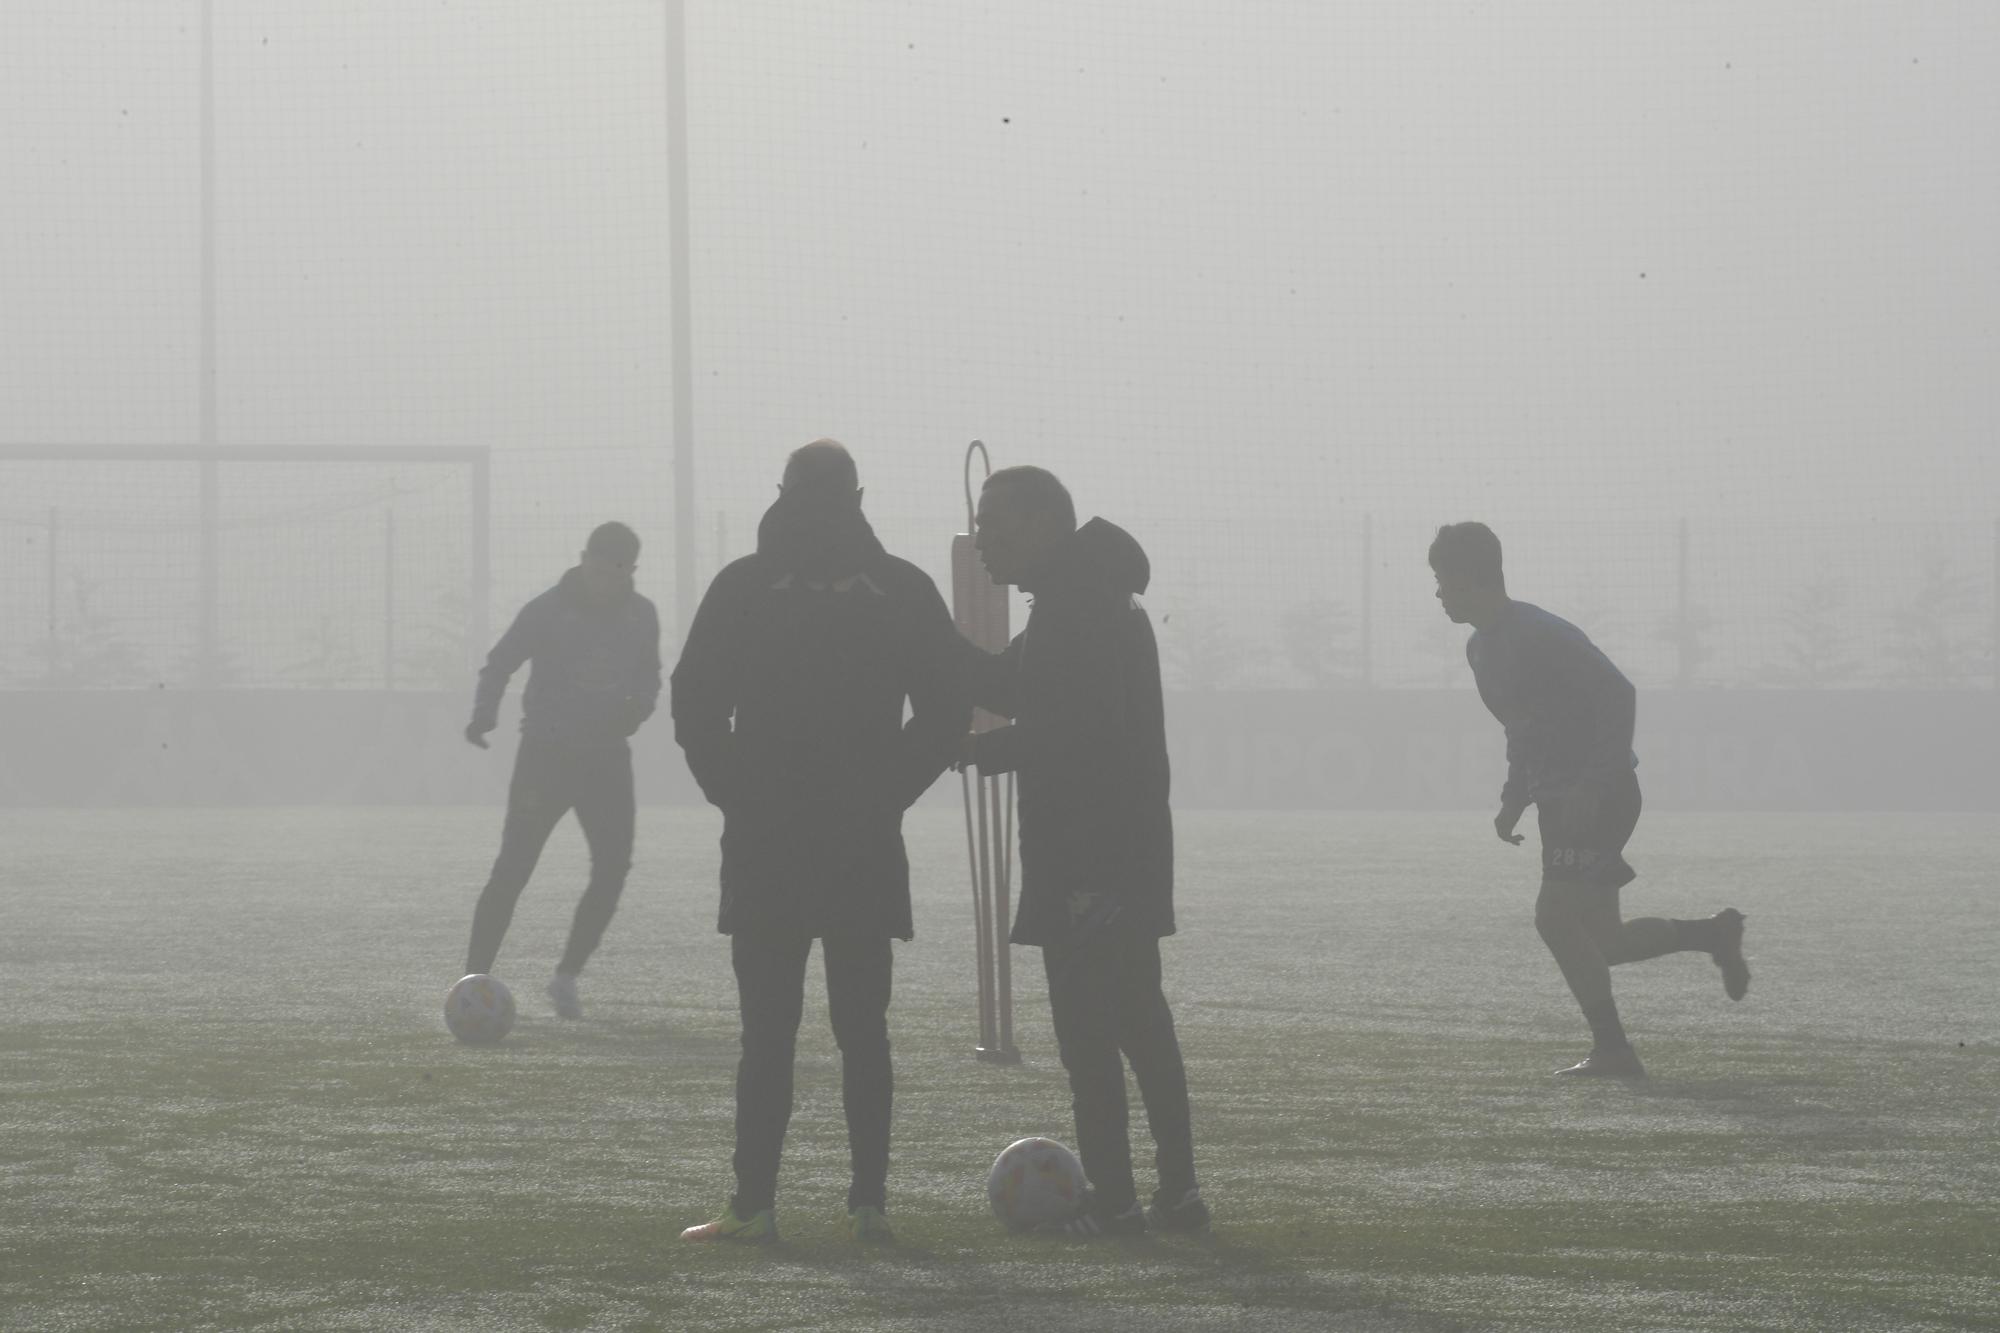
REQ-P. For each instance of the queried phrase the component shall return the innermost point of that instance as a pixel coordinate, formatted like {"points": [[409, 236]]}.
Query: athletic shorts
{"points": [[1586, 849]]}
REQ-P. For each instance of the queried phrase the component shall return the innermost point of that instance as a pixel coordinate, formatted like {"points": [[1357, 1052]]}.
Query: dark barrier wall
{"points": [[1381, 749], [1698, 750]]}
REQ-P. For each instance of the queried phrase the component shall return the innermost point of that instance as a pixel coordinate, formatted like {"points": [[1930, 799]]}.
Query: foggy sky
{"points": [[1241, 274]]}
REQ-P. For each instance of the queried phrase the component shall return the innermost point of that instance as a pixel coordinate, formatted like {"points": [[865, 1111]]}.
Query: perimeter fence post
{"points": [[55, 594]]}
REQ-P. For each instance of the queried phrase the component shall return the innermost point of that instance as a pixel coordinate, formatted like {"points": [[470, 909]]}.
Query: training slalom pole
{"points": [[979, 606], [1003, 866], [980, 944]]}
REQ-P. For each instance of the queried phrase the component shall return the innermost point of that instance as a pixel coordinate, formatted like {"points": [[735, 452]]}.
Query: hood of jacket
{"points": [[816, 540], [1099, 558]]}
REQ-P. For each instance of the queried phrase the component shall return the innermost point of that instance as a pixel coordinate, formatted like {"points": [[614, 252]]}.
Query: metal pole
{"points": [[1003, 972], [55, 593], [208, 637], [389, 600], [208, 406], [682, 321], [1367, 599], [1684, 676], [965, 781], [979, 610], [1007, 836], [482, 558], [1996, 603], [982, 915], [211, 564]]}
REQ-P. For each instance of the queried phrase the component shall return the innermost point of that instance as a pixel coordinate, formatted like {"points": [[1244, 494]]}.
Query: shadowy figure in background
{"points": [[595, 645], [812, 645], [1569, 713], [1082, 683]]}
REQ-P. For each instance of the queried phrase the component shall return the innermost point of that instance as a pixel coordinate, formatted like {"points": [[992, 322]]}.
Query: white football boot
{"points": [[562, 989]]}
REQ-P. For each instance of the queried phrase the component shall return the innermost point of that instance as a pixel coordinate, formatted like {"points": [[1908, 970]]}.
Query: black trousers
{"points": [[770, 988], [1105, 998], [550, 780]]}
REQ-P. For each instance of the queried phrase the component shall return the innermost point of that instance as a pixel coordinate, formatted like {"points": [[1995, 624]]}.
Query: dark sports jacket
{"points": [[1082, 683], [789, 701], [596, 673]]}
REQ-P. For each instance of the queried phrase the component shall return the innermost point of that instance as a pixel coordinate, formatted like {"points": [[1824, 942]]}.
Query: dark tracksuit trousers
{"points": [[770, 986], [1107, 1006], [551, 778]]}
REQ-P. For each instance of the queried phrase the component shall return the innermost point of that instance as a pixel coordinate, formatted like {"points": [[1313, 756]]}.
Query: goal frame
{"points": [[209, 458]]}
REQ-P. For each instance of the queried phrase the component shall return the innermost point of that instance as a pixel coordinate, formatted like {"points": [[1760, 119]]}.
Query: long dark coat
{"points": [[811, 648], [1082, 683]]}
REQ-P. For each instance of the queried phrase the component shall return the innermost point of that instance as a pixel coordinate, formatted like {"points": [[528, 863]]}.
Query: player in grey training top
{"points": [[595, 645], [1568, 713]]}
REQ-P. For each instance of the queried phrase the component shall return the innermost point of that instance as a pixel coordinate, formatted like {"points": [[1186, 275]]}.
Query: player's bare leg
{"points": [[1563, 918]]}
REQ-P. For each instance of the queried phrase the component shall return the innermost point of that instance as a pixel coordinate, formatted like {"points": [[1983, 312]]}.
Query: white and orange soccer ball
{"points": [[1034, 1182], [479, 1009]]}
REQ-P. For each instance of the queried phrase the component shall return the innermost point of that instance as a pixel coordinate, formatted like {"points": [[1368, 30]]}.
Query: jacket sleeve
{"points": [[702, 696], [940, 699], [646, 688], [1514, 791], [515, 647], [995, 681], [997, 751]]}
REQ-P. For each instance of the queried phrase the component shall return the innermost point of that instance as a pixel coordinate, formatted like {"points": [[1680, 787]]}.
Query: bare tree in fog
{"points": [[87, 650], [1199, 649], [1816, 638], [436, 660], [1686, 631], [215, 669], [1319, 639], [1929, 641], [330, 659]]}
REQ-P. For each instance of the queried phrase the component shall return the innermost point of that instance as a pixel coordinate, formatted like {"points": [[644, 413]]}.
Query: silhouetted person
{"points": [[812, 646], [1569, 713], [1088, 741], [595, 647]]}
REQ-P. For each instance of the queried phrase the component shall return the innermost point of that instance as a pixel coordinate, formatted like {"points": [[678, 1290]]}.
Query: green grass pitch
{"points": [[227, 1099]]}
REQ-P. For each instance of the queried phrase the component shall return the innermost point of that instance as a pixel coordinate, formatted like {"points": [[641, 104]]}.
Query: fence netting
{"points": [[1692, 304]]}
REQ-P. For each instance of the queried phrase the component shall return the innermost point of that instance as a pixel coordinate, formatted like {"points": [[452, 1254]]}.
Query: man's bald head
{"points": [[821, 470]]}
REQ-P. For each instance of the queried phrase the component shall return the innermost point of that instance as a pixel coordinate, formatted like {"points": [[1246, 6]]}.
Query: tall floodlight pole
{"points": [[208, 639], [682, 318], [208, 414]]}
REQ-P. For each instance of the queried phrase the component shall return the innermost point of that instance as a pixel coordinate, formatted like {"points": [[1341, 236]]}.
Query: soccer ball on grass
{"points": [[1034, 1182], [479, 1009]]}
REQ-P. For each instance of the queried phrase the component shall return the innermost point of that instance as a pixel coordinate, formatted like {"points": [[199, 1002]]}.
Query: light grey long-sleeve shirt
{"points": [[1567, 710]]}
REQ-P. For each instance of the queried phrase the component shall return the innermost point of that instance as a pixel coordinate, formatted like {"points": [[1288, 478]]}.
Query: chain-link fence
{"points": [[282, 569], [1694, 320]]}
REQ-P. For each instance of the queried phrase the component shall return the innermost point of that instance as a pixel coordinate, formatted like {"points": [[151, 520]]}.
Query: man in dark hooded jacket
{"points": [[595, 645], [1082, 683], [812, 646]]}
